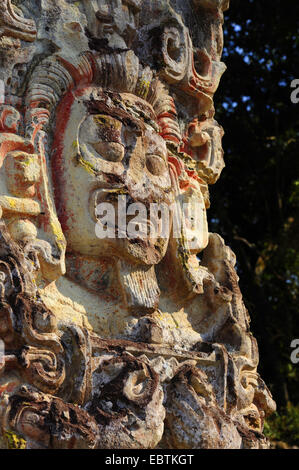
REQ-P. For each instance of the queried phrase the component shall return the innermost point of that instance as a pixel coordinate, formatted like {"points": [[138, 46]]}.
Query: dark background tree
{"points": [[255, 204]]}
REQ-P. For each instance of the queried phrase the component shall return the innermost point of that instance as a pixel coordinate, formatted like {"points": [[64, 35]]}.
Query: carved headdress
{"points": [[69, 383]]}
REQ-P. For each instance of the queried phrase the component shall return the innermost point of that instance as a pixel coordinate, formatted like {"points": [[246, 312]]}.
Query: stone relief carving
{"points": [[120, 342]]}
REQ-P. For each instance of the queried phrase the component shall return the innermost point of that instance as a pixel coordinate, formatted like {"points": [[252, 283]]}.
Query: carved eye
{"points": [[156, 165], [111, 151]]}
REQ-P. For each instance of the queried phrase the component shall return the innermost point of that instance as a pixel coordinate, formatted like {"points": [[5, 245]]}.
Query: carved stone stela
{"points": [[117, 342]]}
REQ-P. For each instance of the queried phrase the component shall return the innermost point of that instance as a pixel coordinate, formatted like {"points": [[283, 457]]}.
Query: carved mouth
{"points": [[148, 229]]}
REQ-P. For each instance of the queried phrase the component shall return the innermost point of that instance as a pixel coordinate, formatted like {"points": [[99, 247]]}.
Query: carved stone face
{"points": [[111, 148], [114, 21]]}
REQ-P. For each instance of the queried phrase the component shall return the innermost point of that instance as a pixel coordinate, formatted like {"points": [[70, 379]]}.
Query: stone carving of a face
{"points": [[113, 20], [110, 148]]}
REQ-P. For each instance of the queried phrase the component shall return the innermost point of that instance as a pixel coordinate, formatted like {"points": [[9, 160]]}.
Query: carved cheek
{"points": [[157, 172], [195, 219], [156, 164]]}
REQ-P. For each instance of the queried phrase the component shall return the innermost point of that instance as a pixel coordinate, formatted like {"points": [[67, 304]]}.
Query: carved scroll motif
{"points": [[118, 342]]}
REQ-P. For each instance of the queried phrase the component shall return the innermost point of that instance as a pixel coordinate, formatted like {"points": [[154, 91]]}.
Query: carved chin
{"points": [[147, 251]]}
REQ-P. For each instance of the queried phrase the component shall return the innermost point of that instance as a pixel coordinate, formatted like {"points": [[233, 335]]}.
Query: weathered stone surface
{"points": [[124, 341]]}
